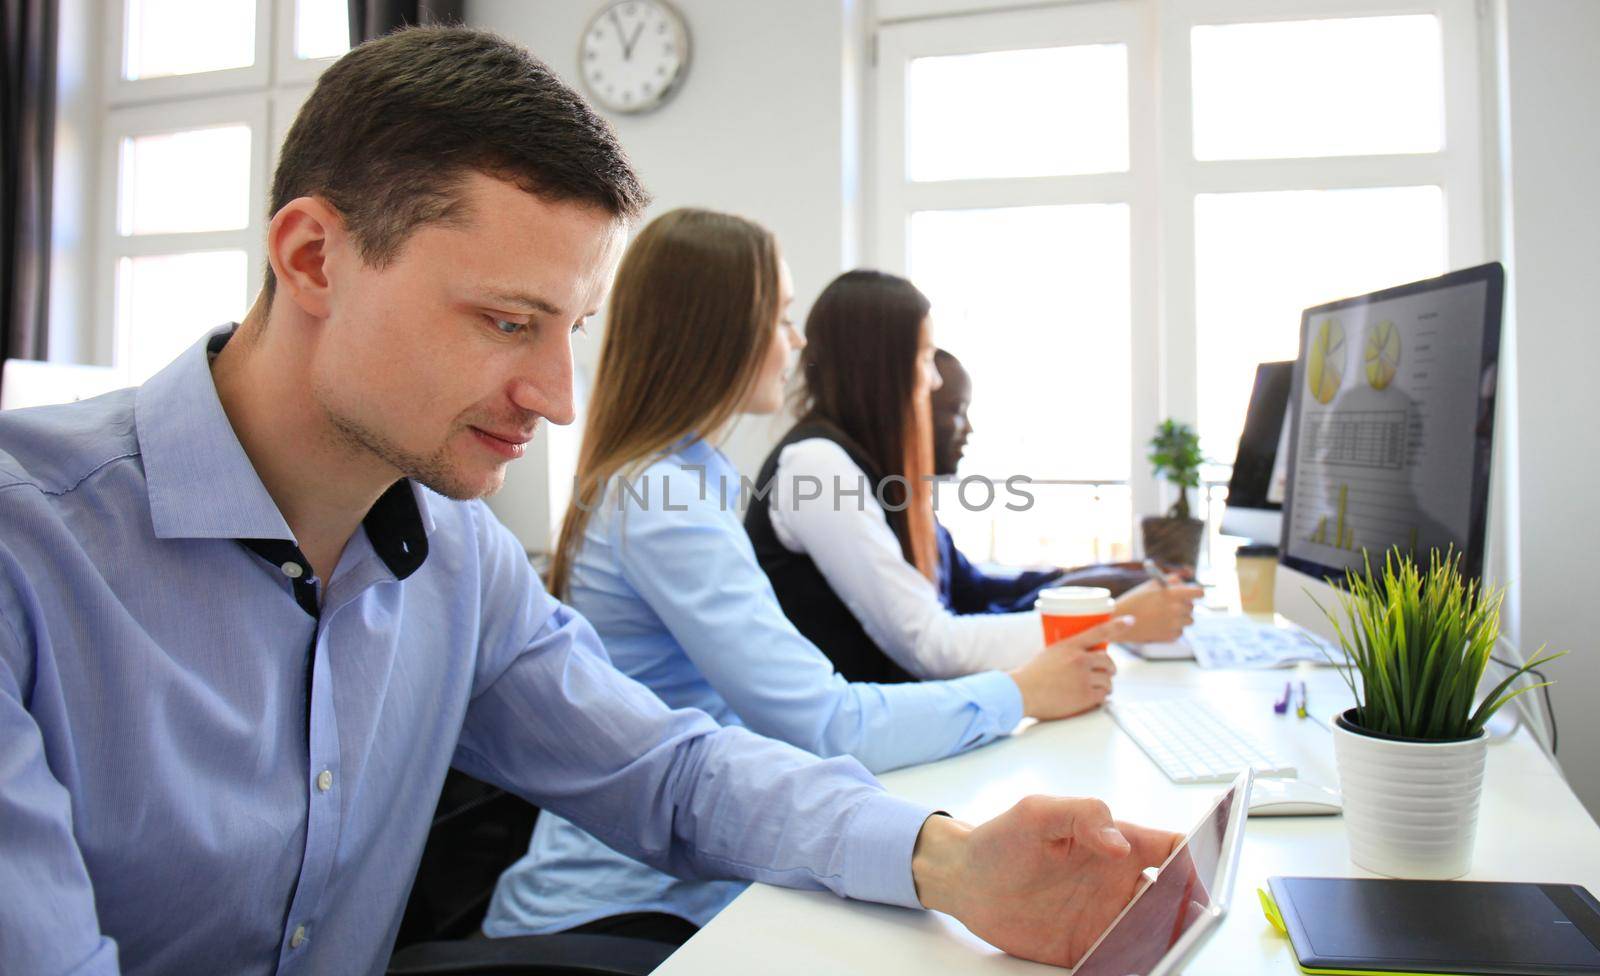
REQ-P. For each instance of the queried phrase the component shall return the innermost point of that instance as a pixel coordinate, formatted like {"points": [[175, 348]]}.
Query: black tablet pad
{"points": [[1459, 927]]}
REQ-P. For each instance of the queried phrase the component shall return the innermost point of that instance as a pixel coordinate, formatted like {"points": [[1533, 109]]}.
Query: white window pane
{"points": [[182, 37], [1067, 525], [1042, 112], [1318, 88], [321, 28], [1034, 301], [165, 303], [1263, 257], [195, 180]]}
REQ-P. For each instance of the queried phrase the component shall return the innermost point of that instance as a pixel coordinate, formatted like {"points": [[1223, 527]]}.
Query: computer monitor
{"points": [[1255, 492], [1391, 422]]}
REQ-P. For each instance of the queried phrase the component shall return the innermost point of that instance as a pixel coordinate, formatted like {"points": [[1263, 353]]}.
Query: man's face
{"points": [[442, 363], [950, 425]]}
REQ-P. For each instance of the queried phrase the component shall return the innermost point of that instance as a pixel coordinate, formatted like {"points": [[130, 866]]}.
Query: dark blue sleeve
{"points": [[964, 588]]}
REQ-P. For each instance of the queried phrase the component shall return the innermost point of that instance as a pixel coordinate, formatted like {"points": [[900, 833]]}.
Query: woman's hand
{"points": [[1159, 613], [1067, 678]]}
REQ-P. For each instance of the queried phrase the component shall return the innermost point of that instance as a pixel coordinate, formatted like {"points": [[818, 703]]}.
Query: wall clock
{"points": [[634, 54]]}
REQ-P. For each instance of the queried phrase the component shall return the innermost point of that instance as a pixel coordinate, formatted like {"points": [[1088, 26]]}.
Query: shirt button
{"points": [[298, 939], [292, 570], [325, 780]]}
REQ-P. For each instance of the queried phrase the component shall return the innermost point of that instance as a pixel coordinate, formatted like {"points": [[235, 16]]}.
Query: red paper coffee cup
{"points": [[1069, 610]]}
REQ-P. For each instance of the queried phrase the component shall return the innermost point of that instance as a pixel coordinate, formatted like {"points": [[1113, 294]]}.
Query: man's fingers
{"points": [[1187, 592], [1090, 823], [1084, 819]]}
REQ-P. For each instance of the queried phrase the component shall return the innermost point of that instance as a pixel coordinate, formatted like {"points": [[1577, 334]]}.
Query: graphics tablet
{"points": [[1464, 928], [1172, 915]]}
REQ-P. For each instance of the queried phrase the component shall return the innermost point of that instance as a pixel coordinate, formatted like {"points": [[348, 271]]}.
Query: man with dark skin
{"points": [[1160, 613]]}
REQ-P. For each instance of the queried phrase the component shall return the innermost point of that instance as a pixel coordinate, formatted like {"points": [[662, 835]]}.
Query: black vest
{"points": [[807, 599]]}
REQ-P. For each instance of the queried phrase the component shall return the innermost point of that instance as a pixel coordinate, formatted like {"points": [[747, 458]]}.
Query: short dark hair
{"points": [[393, 127]]}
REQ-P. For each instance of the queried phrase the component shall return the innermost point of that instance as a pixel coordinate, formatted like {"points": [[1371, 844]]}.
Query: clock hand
{"points": [[627, 48]]}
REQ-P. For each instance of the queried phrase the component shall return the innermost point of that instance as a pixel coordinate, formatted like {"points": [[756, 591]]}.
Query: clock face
{"points": [[633, 54]]}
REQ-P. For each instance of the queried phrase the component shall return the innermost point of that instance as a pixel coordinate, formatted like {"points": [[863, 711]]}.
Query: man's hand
{"points": [[1159, 614], [1040, 881], [1067, 678]]}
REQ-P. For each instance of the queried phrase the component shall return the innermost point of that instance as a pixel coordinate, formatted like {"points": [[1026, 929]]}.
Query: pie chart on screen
{"points": [[1382, 355], [1325, 366]]}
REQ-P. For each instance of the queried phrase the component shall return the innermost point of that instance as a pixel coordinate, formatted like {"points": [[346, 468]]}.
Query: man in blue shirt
{"points": [[1159, 613], [251, 611]]}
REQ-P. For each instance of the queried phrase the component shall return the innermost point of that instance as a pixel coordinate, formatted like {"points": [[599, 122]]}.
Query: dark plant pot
{"points": [[1172, 540], [1348, 720]]}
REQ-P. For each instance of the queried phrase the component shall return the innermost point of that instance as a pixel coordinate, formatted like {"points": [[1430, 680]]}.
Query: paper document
{"points": [[1229, 641]]}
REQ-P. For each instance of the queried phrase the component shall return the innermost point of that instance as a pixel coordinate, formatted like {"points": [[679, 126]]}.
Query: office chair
{"points": [[478, 831]]}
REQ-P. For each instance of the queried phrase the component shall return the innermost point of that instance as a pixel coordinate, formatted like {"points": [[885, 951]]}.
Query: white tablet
{"points": [[1175, 912]]}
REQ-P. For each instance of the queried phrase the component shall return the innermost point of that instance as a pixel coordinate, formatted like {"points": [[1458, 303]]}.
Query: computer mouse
{"points": [[1292, 798]]}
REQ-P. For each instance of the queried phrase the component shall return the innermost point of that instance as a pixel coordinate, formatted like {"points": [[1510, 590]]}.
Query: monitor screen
{"points": [[1256, 488], [1391, 424], [1192, 885]]}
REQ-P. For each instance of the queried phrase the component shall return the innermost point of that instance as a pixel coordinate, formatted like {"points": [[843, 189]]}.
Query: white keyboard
{"points": [[1191, 743]]}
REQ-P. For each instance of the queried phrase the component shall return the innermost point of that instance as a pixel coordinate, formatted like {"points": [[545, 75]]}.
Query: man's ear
{"points": [[298, 241]]}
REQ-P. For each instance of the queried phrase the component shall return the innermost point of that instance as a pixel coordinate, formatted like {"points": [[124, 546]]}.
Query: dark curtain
{"points": [[27, 141], [374, 18]]}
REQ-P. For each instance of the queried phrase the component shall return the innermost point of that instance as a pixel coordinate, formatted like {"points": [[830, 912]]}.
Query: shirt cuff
{"points": [[878, 849], [998, 695]]}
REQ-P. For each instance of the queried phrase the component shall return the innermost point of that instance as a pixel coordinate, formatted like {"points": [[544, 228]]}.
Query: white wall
{"points": [[763, 127], [1551, 160]]}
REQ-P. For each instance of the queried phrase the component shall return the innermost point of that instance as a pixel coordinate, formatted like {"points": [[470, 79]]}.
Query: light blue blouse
{"points": [[667, 576]]}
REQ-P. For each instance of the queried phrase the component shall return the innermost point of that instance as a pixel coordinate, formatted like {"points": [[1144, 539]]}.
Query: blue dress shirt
{"points": [[202, 771], [668, 577]]}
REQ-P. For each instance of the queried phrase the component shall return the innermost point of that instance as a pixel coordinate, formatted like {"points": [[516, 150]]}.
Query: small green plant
{"points": [[1175, 453], [1419, 643]]}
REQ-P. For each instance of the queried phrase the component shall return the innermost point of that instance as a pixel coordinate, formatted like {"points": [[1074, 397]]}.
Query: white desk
{"points": [[1531, 828]]}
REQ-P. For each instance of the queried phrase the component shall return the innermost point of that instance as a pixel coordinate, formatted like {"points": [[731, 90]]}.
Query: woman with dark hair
{"points": [[847, 533], [652, 553]]}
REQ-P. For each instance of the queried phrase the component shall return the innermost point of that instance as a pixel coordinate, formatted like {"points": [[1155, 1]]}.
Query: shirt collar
{"points": [[719, 471], [201, 482], [695, 449]]}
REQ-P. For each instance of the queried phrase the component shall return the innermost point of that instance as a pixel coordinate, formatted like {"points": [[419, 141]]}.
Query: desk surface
{"points": [[1530, 828]]}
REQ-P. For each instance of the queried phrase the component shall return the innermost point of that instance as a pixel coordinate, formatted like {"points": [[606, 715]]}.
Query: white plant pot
{"points": [[1410, 807]]}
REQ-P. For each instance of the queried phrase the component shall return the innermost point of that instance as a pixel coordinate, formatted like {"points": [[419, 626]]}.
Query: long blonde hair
{"points": [[691, 318]]}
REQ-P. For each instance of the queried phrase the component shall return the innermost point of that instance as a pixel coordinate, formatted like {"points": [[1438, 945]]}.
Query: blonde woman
{"points": [[652, 553]]}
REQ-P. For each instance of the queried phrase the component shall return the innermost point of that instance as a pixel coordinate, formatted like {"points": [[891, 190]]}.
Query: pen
{"points": [[1282, 705], [1300, 709], [1155, 573]]}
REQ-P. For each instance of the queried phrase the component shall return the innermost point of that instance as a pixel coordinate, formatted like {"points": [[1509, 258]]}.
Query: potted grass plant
{"points": [[1175, 538], [1411, 753]]}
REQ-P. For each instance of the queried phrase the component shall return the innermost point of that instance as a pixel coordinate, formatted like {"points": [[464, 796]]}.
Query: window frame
{"points": [[1164, 177], [263, 96]]}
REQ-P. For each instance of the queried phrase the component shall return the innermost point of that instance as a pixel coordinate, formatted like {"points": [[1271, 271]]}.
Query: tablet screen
{"points": [[1184, 892]]}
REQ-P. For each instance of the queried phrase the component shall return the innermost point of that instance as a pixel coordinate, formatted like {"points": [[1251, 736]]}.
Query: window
{"points": [[1118, 209], [197, 104]]}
